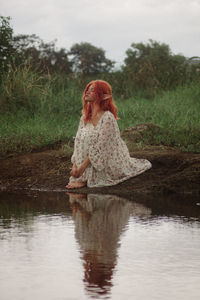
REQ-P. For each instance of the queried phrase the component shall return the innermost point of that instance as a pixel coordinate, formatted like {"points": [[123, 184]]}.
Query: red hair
{"points": [[103, 95]]}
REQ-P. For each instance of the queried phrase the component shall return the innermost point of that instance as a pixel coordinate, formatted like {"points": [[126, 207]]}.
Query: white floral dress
{"points": [[109, 156]]}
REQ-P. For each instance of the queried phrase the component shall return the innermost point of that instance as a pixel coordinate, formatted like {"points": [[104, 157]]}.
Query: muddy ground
{"points": [[173, 172]]}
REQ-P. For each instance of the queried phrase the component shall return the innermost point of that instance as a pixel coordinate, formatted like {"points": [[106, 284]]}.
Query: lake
{"points": [[58, 246]]}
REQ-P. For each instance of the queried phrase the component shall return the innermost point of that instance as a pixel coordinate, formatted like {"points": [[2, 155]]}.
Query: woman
{"points": [[101, 158]]}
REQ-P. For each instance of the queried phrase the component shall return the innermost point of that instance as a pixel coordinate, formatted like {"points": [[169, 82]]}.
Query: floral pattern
{"points": [[109, 156]]}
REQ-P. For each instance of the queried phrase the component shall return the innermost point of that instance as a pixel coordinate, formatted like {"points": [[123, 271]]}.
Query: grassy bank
{"points": [[176, 112], [38, 112]]}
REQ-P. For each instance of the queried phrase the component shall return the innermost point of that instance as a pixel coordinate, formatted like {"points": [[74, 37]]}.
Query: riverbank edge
{"points": [[172, 172]]}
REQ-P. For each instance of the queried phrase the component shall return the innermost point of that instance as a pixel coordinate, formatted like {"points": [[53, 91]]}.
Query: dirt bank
{"points": [[172, 172]]}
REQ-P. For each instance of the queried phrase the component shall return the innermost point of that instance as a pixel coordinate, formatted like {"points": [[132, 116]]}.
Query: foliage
{"points": [[88, 59], [153, 66], [6, 48], [42, 56], [148, 68], [20, 88], [23, 89], [193, 70], [40, 96], [39, 111]]}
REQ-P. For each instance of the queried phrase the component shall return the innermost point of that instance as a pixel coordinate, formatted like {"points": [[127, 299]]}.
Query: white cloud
{"points": [[110, 24]]}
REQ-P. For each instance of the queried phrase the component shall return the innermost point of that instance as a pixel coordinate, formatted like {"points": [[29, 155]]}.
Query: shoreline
{"points": [[172, 172]]}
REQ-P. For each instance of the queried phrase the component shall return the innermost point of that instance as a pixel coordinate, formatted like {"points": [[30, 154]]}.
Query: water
{"points": [[56, 247]]}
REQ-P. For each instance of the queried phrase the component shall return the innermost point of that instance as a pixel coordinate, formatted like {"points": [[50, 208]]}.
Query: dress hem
{"points": [[123, 179]]}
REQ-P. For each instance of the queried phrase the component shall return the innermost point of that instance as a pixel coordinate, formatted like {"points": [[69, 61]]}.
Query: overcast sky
{"points": [[110, 24]]}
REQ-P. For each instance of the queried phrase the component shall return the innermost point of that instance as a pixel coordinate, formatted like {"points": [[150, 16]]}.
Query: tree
{"points": [[194, 67], [42, 56], [88, 59], [154, 66], [6, 48]]}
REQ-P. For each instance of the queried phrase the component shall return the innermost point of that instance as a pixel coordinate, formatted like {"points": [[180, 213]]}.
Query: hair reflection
{"points": [[99, 222]]}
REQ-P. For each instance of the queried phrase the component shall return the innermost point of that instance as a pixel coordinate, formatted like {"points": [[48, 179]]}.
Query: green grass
{"points": [[23, 133], [176, 112], [41, 111]]}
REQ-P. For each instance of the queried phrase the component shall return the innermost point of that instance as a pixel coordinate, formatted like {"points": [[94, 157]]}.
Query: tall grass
{"points": [[176, 112], [24, 133], [38, 111]]}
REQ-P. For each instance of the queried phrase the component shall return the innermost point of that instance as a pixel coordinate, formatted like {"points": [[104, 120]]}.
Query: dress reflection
{"points": [[99, 222]]}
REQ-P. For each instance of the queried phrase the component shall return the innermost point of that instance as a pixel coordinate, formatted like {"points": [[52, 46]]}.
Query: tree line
{"points": [[150, 66]]}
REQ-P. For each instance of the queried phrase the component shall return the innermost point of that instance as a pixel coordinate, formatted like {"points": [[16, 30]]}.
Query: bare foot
{"points": [[76, 185]]}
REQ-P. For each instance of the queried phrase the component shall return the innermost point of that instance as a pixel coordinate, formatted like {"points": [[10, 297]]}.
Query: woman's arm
{"points": [[77, 172]]}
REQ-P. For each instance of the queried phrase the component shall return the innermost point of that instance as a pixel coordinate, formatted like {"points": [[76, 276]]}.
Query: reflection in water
{"points": [[158, 257], [23, 208], [99, 222]]}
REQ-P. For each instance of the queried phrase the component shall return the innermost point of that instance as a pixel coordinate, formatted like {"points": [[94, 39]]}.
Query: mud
{"points": [[173, 172]]}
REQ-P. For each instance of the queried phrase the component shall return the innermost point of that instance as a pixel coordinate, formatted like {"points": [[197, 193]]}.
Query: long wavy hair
{"points": [[104, 98]]}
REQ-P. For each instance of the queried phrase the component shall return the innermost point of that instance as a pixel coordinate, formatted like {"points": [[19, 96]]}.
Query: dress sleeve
{"points": [[101, 147], [81, 123]]}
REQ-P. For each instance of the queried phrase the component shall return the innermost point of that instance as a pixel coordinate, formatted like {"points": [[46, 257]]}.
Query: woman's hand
{"points": [[74, 170], [78, 172]]}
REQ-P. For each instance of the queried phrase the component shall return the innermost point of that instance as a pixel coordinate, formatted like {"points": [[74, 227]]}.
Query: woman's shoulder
{"points": [[108, 117]]}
